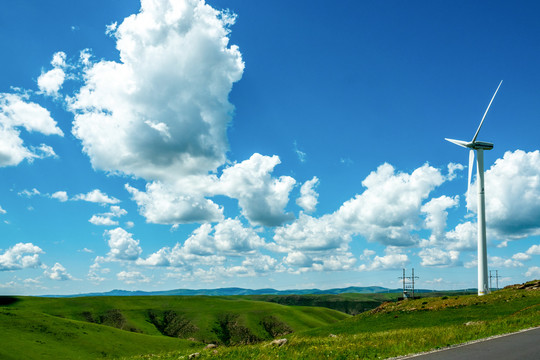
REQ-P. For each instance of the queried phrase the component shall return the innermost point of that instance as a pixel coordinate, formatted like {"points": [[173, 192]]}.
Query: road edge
{"points": [[411, 356]]}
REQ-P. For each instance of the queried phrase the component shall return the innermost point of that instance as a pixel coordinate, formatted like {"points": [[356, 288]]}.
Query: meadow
{"points": [[97, 327], [177, 327], [397, 328]]}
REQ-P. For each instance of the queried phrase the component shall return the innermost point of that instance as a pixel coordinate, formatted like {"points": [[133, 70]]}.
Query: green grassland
{"points": [[397, 328], [173, 327], [350, 303], [97, 327]]}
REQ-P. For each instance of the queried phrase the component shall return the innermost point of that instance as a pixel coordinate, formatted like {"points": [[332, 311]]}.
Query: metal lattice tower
{"points": [[408, 284]]}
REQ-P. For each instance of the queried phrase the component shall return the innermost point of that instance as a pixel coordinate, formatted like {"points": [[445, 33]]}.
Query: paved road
{"points": [[523, 346]]}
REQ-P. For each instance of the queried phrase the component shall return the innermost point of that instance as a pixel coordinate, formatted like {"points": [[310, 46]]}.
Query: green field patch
{"points": [[398, 328], [96, 327]]}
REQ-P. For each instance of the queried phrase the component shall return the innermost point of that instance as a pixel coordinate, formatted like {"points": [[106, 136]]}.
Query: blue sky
{"points": [[182, 144]]}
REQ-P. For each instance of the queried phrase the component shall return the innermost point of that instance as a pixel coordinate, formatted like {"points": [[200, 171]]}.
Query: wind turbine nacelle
{"points": [[475, 145], [481, 145]]}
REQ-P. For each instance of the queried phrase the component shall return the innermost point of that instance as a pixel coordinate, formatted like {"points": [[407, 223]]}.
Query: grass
{"points": [[396, 329], [96, 327], [123, 327], [350, 303], [34, 335]]}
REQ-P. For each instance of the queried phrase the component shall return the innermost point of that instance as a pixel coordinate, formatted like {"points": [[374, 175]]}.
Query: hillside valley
{"points": [[238, 327]]}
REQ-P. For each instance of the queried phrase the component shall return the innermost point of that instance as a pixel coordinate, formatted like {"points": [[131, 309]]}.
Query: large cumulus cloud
{"points": [[512, 188], [163, 109], [16, 113]]}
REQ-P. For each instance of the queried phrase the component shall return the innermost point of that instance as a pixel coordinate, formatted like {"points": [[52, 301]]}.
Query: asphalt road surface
{"points": [[523, 346]]}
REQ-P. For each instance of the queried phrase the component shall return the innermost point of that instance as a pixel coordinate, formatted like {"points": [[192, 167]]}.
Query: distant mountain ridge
{"points": [[241, 291]]}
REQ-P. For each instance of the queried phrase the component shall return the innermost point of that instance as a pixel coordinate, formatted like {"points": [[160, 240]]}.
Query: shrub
{"points": [[113, 318], [275, 327], [172, 324], [230, 332]]}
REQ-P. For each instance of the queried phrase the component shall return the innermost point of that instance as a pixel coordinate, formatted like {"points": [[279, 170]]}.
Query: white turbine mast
{"points": [[479, 146]]}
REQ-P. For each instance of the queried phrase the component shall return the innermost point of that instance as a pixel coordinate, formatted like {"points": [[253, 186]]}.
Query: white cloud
{"points": [[534, 250], [312, 234], [162, 204], [94, 273], [159, 258], [232, 237], [438, 257], [436, 215], [533, 272], [301, 155], [2, 211], [51, 81], [107, 218], [436, 281], [175, 73], [334, 262], [207, 245], [102, 220], [521, 257], [498, 262], [111, 28], [513, 195], [60, 196], [463, 237], [452, 168], [15, 113], [367, 254], [59, 60], [392, 260], [308, 196], [58, 272], [298, 259], [388, 210], [132, 277], [261, 197], [255, 265], [122, 245], [115, 211], [29, 193], [43, 151], [31, 282], [471, 264], [96, 196], [20, 256], [201, 242]]}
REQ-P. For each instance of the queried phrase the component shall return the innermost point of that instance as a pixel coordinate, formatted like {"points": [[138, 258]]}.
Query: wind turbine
{"points": [[479, 146]]}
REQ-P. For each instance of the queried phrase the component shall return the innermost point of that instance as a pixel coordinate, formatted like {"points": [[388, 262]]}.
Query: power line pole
{"points": [[408, 283], [496, 276], [404, 289], [412, 280]]}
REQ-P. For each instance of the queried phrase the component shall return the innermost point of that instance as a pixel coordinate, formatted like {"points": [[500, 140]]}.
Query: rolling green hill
{"points": [[402, 328], [173, 327], [95, 327], [350, 303]]}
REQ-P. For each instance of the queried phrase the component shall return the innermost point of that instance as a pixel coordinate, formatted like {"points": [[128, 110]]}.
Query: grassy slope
{"points": [[48, 328], [350, 303], [34, 335], [401, 328]]}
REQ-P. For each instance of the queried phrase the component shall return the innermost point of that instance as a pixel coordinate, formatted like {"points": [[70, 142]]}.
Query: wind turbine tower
{"points": [[479, 146]]}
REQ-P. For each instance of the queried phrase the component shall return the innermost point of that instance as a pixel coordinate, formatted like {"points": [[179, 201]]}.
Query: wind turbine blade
{"points": [[458, 142], [481, 122], [471, 164]]}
